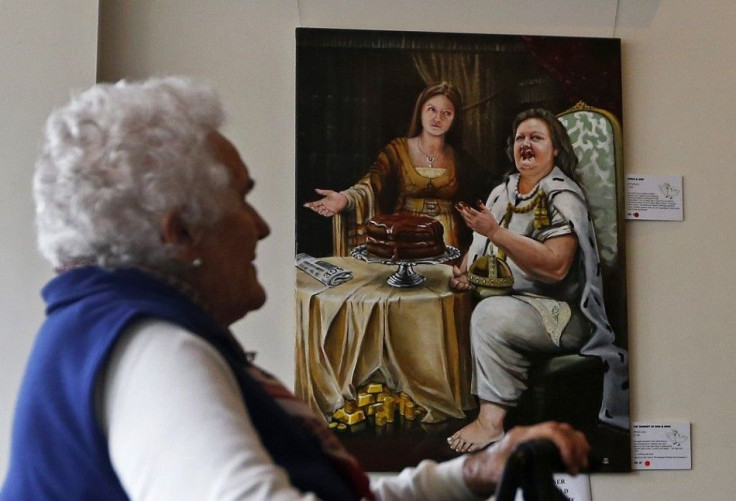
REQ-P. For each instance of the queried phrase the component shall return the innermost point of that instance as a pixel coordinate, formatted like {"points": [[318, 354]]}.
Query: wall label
{"points": [[654, 198], [661, 446]]}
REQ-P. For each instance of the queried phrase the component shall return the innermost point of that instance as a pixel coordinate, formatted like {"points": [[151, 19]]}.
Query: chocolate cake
{"points": [[404, 236]]}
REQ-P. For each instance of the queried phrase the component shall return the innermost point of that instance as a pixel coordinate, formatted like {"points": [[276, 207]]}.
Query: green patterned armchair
{"points": [[569, 387], [596, 137]]}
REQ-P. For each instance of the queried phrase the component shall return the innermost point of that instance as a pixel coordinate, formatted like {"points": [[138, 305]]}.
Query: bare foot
{"points": [[485, 430], [474, 436]]}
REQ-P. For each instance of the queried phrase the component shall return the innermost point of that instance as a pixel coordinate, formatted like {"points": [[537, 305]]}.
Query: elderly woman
{"points": [[135, 387], [424, 173], [539, 222]]}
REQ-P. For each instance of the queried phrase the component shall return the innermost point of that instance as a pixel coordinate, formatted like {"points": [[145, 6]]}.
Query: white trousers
{"points": [[505, 333]]}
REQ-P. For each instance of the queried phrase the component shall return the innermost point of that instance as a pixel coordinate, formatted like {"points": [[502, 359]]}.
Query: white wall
{"points": [[247, 50], [678, 101], [46, 49]]}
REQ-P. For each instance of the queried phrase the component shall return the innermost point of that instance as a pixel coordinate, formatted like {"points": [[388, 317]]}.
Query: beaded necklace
{"points": [[538, 203]]}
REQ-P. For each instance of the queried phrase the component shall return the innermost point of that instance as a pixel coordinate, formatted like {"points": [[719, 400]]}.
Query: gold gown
{"points": [[394, 185]]}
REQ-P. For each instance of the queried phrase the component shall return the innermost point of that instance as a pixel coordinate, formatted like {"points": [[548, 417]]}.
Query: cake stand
{"points": [[405, 275]]}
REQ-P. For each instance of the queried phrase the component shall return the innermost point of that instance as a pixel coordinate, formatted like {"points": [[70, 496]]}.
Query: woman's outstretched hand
{"points": [[331, 203], [478, 219]]}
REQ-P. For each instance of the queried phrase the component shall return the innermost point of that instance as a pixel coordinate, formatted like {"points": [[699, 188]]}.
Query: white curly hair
{"points": [[115, 160]]}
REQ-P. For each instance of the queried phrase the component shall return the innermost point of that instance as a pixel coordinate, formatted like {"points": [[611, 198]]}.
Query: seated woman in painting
{"points": [[538, 221], [425, 172]]}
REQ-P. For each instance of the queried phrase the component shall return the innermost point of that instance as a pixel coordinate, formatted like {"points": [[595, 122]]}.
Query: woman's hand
{"points": [[483, 470], [459, 280], [479, 219], [331, 203], [547, 261]]}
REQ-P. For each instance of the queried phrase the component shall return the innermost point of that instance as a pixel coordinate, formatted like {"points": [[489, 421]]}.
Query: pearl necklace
{"points": [[522, 198]]}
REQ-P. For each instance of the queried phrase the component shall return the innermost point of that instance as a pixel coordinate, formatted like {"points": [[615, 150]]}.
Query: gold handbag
{"points": [[491, 276]]}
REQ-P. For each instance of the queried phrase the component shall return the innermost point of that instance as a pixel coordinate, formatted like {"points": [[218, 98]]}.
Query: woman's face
{"points": [[534, 153], [438, 113], [227, 277]]}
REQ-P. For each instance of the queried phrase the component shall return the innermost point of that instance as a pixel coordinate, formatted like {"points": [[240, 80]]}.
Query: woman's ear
{"points": [[177, 233]]}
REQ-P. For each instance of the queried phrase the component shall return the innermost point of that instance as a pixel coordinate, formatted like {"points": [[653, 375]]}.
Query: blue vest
{"points": [[58, 450]]}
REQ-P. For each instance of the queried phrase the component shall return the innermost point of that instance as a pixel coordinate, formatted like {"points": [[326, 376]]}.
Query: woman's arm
{"points": [[547, 261], [380, 179], [428, 481], [177, 428], [176, 424], [476, 475]]}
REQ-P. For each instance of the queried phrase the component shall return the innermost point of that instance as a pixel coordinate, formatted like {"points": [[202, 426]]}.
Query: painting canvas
{"points": [[384, 346]]}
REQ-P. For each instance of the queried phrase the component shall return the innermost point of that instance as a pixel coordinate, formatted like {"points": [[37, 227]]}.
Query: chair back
{"points": [[596, 138]]}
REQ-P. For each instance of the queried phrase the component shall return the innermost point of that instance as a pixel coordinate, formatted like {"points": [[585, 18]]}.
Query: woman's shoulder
{"points": [[398, 147], [557, 181], [499, 192], [399, 142], [565, 194]]}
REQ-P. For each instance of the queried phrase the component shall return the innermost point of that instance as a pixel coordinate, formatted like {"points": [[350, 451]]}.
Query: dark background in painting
{"points": [[356, 91]]}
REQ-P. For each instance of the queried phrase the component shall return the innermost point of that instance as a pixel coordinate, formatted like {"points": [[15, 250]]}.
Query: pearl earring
{"points": [[196, 262]]}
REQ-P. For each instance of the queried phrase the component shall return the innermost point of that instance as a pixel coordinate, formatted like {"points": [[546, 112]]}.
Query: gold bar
{"points": [[365, 399], [388, 407], [374, 409], [381, 419], [382, 396], [355, 417], [409, 411], [403, 399], [374, 388]]}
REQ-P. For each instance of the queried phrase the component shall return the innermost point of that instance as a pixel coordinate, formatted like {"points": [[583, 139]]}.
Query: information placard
{"points": [[661, 446], [656, 198]]}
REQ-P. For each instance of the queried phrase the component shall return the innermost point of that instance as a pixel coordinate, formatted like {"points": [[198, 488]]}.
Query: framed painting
{"points": [[396, 130]]}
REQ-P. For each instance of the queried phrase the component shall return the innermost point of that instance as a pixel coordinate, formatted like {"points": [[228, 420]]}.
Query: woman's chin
{"points": [[533, 169], [256, 298], [524, 168]]}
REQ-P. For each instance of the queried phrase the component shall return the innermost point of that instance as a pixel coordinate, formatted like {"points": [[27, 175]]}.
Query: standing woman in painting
{"points": [[424, 173], [538, 220]]}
